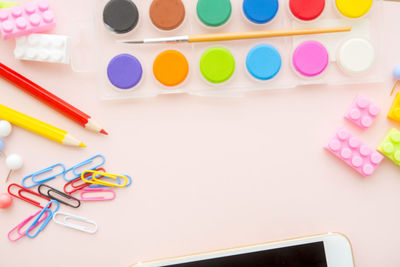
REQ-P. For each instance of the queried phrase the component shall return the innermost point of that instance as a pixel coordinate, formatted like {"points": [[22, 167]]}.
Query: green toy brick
{"points": [[4, 4], [390, 146]]}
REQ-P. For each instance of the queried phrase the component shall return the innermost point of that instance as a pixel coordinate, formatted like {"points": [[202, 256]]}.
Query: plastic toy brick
{"points": [[362, 112], [394, 112], [4, 4], [26, 19], [390, 146], [43, 47], [354, 153]]}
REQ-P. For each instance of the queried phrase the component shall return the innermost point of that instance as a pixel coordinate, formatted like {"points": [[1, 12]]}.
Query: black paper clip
{"points": [[62, 197]]}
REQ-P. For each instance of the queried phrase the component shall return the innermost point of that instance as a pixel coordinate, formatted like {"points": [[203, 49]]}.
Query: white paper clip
{"points": [[68, 216]]}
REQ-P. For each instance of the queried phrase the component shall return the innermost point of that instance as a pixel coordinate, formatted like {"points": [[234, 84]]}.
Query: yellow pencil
{"points": [[38, 127]]}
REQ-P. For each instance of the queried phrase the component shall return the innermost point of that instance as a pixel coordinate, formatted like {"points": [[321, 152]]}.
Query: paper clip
{"points": [[24, 198], [19, 227], [45, 222], [84, 163], [32, 177], [118, 180], [68, 217], [94, 180], [88, 191], [83, 184], [56, 192]]}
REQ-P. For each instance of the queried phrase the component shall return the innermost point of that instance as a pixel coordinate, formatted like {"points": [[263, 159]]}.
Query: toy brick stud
{"points": [[362, 112], [354, 153], [44, 48], [26, 19]]}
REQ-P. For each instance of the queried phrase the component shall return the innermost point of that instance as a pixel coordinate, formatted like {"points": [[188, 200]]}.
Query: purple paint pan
{"points": [[124, 71]]}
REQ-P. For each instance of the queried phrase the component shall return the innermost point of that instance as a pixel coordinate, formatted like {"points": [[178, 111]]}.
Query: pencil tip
{"points": [[82, 145], [103, 132]]}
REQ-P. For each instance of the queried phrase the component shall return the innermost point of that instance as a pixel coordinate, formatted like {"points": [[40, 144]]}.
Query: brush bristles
{"points": [[131, 41]]}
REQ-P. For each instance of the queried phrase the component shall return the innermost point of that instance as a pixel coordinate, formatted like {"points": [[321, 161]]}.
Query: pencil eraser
{"points": [[26, 19], [390, 146], [44, 48], [362, 112], [353, 152]]}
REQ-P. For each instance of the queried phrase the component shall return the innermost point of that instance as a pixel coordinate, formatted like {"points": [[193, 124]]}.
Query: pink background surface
{"points": [[209, 173]]}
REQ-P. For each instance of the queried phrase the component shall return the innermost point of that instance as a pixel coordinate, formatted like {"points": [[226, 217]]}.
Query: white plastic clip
{"points": [[68, 216]]}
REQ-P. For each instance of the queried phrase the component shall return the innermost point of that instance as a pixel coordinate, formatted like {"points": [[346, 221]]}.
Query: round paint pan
{"points": [[354, 9], [260, 11], [170, 68], [263, 62], [356, 56], [306, 10], [310, 59], [167, 15], [120, 16], [217, 65], [125, 72], [214, 13]]}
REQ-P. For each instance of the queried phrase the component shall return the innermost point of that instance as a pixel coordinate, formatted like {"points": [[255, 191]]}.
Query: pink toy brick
{"points": [[362, 112], [26, 19], [355, 153]]}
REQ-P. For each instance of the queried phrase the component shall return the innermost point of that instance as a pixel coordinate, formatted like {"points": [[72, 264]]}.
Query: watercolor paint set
{"points": [[230, 68]]}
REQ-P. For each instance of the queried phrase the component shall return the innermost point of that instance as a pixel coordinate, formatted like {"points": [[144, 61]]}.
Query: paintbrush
{"points": [[213, 37]]}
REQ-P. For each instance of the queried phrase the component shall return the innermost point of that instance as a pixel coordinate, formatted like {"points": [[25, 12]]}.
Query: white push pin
{"points": [[5, 128], [14, 162]]}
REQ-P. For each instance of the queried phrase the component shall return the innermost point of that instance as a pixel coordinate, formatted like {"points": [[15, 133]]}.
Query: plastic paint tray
{"points": [[365, 28]]}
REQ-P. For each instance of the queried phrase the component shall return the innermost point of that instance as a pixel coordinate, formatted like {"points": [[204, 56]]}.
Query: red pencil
{"points": [[50, 99]]}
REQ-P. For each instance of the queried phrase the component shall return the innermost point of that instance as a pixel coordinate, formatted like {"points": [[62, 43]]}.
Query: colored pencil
{"points": [[213, 37], [50, 99], [38, 127]]}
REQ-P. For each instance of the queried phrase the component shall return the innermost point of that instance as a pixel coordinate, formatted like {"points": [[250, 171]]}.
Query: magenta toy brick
{"points": [[354, 153], [362, 112], [26, 19]]}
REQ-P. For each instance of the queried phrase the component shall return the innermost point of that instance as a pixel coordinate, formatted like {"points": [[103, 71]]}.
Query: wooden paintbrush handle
{"points": [[262, 34]]}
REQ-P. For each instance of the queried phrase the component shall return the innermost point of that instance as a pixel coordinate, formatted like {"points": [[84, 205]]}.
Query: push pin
{"points": [[13, 161], [5, 201], [396, 74], [5, 128]]}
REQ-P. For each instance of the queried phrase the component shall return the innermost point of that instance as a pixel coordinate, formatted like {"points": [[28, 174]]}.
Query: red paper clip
{"points": [[24, 198], [80, 186]]}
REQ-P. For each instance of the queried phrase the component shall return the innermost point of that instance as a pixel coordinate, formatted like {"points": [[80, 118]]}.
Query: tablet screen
{"points": [[308, 255]]}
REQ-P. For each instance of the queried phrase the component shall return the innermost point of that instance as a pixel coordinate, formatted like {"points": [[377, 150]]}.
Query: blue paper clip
{"points": [[35, 182], [46, 221], [118, 180], [83, 163]]}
